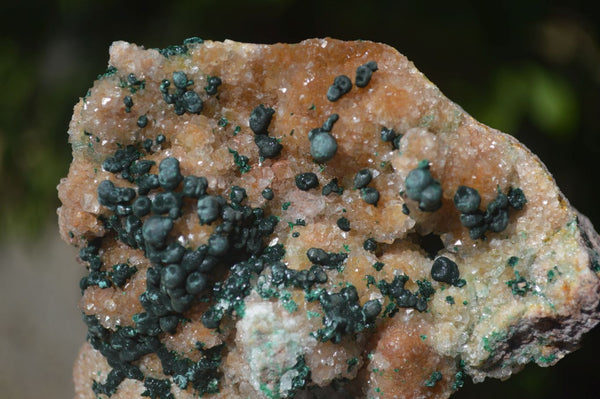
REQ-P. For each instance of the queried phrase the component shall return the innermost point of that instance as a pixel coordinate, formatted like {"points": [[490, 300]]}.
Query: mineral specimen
{"points": [[218, 267]]}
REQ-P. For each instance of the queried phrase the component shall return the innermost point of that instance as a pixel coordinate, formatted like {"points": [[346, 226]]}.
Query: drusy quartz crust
{"points": [[270, 221]]}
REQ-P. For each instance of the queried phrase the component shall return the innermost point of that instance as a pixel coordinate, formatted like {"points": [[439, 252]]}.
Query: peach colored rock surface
{"points": [[485, 328]]}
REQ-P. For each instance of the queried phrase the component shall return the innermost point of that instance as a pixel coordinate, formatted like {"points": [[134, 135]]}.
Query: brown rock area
{"points": [[527, 291]]}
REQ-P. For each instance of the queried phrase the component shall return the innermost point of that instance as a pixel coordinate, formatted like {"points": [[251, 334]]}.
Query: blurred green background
{"points": [[529, 68]]}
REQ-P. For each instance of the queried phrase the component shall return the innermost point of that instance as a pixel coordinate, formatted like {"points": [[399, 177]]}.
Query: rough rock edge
{"points": [[590, 238], [565, 333]]}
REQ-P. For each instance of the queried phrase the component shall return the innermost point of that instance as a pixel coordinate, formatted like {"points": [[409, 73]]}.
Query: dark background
{"points": [[529, 68]]}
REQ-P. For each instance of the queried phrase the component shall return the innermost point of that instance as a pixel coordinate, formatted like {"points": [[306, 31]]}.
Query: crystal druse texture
{"points": [[313, 219]]}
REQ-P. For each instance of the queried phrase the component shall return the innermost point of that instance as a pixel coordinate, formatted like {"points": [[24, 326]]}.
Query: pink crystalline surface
{"points": [[392, 359]]}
